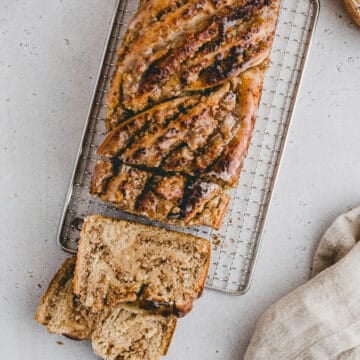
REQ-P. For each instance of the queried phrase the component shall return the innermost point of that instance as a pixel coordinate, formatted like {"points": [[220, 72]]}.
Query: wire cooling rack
{"points": [[235, 246]]}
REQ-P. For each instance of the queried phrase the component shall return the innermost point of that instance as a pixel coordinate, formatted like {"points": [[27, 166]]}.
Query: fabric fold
{"points": [[320, 319]]}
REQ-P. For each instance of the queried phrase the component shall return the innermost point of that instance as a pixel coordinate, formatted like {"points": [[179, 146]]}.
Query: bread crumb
{"points": [[39, 286], [215, 240], [60, 343]]}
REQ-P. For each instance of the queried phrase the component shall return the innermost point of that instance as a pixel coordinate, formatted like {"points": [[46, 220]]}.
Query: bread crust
{"points": [[57, 294], [228, 166], [167, 339], [194, 48], [183, 102], [209, 140], [169, 198], [353, 8]]}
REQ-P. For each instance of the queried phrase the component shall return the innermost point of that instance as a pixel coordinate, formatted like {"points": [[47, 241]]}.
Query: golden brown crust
{"points": [[353, 8], [103, 171], [227, 167], [208, 138], [121, 135], [167, 339], [213, 213], [195, 45], [125, 188], [185, 123], [169, 198], [182, 107]]}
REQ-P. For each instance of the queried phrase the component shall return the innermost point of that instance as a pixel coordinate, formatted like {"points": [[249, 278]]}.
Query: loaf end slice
{"points": [[120, 261], [172, 199], [124, 332], [60, 310]]}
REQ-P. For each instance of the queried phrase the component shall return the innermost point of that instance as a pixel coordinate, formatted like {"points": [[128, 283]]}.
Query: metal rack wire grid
{"points": [[235, 246]]}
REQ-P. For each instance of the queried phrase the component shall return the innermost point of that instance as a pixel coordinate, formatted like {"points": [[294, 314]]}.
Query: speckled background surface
{"points": [[49, 57]]}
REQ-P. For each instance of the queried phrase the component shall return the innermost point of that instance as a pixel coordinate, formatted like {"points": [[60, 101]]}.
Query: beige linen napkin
{"points": [[321, 319]]}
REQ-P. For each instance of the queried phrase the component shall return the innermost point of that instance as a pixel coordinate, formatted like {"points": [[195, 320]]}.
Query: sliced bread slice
{"points": [[120, 261], [124, 332], [60, 310], [132, 333]]}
